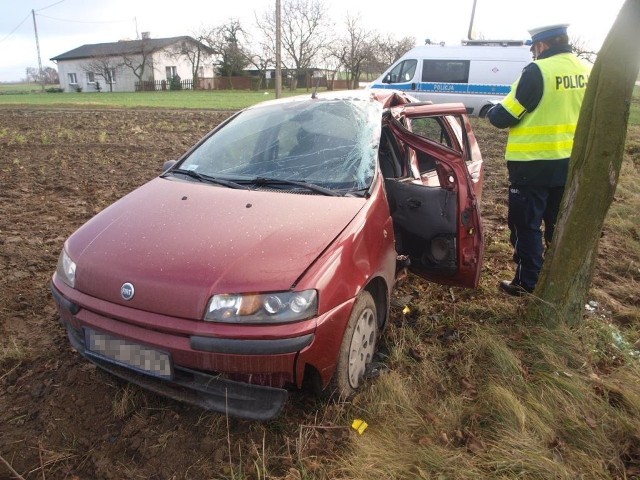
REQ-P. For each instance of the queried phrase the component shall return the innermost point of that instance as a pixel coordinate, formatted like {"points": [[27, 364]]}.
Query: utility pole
{"points": [[278, 50], [473, 14], [35, 29]]}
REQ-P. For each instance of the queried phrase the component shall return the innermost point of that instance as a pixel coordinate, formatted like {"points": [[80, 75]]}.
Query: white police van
{"points": [[478, 73]]}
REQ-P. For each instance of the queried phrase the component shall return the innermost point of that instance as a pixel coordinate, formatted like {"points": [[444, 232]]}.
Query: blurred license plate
{"points": [[128, 354]]}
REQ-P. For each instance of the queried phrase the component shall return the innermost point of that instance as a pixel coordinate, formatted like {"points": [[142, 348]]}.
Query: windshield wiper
{"points": [[261, 181], [207, 178], [361, 192]]}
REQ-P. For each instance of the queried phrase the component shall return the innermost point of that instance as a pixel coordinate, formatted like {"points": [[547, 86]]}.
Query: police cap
{"points": [[542, 33]]}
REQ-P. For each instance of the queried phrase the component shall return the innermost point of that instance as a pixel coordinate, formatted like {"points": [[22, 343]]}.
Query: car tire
{"points": [[357, 349]]}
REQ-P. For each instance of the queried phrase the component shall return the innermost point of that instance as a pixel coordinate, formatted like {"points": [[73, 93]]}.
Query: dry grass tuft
{"points": [[529, 409], [126, 401], [474, 390]]}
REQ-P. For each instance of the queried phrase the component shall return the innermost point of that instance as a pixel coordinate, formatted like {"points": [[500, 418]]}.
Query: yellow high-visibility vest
{"points": [[547, 132]]}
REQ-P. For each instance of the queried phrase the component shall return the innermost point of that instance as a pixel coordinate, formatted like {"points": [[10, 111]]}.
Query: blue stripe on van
{"points": [[395, 86], [459, 88]]}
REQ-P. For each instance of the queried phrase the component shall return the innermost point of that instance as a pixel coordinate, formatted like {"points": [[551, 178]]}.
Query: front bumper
{"points": [[194, 386], [221, 395]]}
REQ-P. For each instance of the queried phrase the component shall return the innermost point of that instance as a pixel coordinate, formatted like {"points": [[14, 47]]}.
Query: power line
{"points": [[80, 21], [25, 19], [49, 6], [13, 31], [57, 19]]}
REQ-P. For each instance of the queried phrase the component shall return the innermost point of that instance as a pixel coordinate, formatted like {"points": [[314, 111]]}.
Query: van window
{"points": [[449, 71], [402, 73]]}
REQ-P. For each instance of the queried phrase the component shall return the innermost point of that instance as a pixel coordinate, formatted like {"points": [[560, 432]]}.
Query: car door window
{"points": [[432, 128]]}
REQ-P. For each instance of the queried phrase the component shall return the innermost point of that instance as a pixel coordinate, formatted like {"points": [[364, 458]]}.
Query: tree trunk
{"points": [[595, 165]]}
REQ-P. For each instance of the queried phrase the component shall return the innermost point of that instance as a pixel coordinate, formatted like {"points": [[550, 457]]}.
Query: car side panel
{"points": [[363, 252]]}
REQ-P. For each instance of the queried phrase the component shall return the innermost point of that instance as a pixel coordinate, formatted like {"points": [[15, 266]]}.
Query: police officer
{"points": [[541, 112]]}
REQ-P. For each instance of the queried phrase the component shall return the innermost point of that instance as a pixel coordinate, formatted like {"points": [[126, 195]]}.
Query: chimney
{"points": [[146, 35]]}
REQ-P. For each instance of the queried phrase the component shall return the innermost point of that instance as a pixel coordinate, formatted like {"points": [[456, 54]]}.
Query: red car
{"points": [[266, 255]]}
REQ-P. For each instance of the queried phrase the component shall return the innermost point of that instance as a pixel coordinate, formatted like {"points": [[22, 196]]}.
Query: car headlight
{"points": [[66, 269], [277, 307]]}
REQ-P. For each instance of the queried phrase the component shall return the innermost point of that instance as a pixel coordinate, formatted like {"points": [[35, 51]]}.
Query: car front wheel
{"points": [[358, 347]]}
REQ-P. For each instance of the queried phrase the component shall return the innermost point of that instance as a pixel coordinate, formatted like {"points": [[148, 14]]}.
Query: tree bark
{"points": [[594, 169]]}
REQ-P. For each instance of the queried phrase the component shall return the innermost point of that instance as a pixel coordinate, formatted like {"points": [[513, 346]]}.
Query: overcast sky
{"points": [[67, 24]]}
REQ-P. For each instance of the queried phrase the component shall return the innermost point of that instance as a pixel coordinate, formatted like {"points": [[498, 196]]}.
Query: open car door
{"points": [[434, 207]]}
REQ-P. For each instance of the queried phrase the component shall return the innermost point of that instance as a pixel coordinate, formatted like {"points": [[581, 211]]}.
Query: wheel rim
{"points": [[362, 346]]}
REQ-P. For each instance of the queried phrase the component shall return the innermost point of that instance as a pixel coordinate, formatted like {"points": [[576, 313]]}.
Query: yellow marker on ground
{"points": [[359, 425]]}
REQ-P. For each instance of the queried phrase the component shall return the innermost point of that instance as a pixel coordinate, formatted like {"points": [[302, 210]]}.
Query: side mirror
{"points": [[168, 164]]}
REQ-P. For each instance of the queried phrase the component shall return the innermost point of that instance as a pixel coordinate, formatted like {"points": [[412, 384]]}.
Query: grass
{"points": [[13, 353], [125, 401], [20, 88], [634, 114], [194, 99], [518, 401]]}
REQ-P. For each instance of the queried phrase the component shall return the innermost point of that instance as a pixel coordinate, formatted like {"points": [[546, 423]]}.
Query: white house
{"points": [[130, 65]]}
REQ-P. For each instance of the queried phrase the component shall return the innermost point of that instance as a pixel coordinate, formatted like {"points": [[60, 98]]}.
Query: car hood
{"points": [[179, 242]]}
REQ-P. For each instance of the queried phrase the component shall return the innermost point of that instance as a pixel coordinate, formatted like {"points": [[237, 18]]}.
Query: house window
{"points": [[171, 72], [73, 79], [111, 75], [91, 77], [201, 72]]}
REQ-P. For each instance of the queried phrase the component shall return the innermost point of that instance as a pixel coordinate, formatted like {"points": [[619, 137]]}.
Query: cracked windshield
{"points": [[332, 144]]}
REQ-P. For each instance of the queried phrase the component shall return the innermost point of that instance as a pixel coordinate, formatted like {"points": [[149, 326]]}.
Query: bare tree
{"points": [[357, 49], [262, 61], [581, 50], [50, 76], [195, 51], [304, 31], [228, 42], [32, 74], [596, 160], [141, 61], [104, 67], [262, 55], [389, 49], [332, 60]]}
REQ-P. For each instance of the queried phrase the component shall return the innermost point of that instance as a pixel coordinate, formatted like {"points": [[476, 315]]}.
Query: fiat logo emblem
{"points": [[127, 291]]}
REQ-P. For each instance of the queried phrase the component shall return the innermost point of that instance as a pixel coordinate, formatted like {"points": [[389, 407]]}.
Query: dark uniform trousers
{"points": [[530, 207]]}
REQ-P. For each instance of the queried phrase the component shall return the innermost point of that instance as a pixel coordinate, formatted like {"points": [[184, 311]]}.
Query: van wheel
{"points": [[484, 110], [357, 349]]}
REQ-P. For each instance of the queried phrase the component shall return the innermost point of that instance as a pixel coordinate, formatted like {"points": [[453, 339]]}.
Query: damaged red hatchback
{"points": [[265, 257]]}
